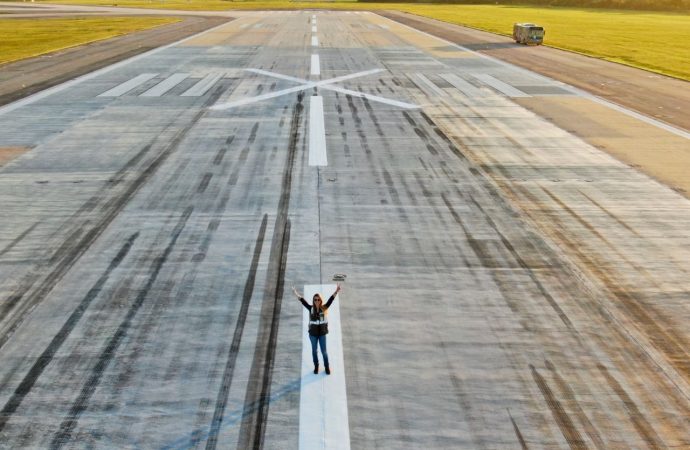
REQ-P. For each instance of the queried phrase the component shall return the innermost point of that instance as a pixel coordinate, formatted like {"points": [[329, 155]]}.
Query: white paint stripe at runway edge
{"points": [[203, 85], [427, 86], [317, 133], [323, 422], [315, 65], [499, 85], [61, 87], [463, 86], [165, 85], [128, 85]]}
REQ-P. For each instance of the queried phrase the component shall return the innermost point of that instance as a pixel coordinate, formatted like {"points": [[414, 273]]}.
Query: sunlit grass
{"points": [[653, 41], [24, 38], [649, 40]]}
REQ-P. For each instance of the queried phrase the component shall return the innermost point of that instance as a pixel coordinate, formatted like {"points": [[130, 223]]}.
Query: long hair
{"points": [[321, 306]]}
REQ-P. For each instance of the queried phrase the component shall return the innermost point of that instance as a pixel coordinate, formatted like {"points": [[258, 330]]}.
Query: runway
{"points": [[508, 284]]}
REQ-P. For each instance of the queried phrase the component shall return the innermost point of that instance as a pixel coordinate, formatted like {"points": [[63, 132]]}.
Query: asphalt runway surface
{"points": [[508, 284]]}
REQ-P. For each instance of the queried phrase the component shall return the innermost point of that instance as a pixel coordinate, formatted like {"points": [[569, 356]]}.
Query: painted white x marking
{"points": [[325, 84]]}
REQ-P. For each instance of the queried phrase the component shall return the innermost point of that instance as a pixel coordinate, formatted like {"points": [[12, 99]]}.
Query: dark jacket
{"points": [[318, 321]]}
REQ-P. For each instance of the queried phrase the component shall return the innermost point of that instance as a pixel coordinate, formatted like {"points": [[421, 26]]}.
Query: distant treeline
{"points": [[651, 5]]}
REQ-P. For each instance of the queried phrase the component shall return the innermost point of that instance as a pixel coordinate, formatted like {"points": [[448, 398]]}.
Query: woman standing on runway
{"points": [[318, 325]]}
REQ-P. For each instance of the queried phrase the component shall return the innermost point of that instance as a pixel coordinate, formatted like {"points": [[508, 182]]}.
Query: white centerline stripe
{"points": [[317, 133], [499, 85], [165, 85], [313, 28], [314, 41], [315, 65], [202, 85], [323, 417], [127, 86]]}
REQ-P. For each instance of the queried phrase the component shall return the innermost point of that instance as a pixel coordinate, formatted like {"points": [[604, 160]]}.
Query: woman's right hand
{"points": [[296, 293]]}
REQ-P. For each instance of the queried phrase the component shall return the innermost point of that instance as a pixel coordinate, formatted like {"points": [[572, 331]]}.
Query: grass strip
{"points": [[655, 41], [24, 38]]}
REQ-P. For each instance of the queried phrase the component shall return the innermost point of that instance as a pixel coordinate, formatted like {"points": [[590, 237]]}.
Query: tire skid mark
{"points": [[393, 192], [205, 244], [109, 352], [242, 158], [461, 395], [258, 393], [622, 223], [663, 339], [18, 239], [478, 247], [518, 434], [521, 262], [221, 153], [112, 208], [570, 433], [573, 405], [48, 354], [596, 233], [610, 214], [486, 261], [374, 119], [506, 243], [667, 348], [655, 335], [203, 184], [257, 398], [222, 398], [640, 353], [643, 427]]}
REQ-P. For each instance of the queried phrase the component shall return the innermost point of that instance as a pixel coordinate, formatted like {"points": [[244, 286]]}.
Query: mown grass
{"points": [[24, 38], [654, 41], [650, 40]]}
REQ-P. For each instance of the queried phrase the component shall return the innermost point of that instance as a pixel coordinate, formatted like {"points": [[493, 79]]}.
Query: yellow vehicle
{"points": [[528, 33]]}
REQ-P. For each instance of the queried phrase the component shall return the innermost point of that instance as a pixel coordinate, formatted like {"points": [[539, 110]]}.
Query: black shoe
{"points": [[316, 368], [328, 370]]}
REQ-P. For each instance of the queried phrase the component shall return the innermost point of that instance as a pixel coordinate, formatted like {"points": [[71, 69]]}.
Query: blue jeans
{"points": [[322, 343]]}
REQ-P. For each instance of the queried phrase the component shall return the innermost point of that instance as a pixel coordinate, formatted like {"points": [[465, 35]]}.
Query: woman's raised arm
{"points": [[330, 300], [301, 298]]}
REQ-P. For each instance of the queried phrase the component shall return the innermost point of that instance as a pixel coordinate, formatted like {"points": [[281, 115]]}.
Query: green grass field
{"points": [[650, 40], [24, 38], [655, 41]]}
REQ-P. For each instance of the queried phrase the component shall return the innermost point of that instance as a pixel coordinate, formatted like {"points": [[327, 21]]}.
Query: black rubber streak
{"points": [[47, 356], [81, 403], [68, 255], [258, 394], [518, 434], [18, 239], [570, 433], [222, 398]]}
